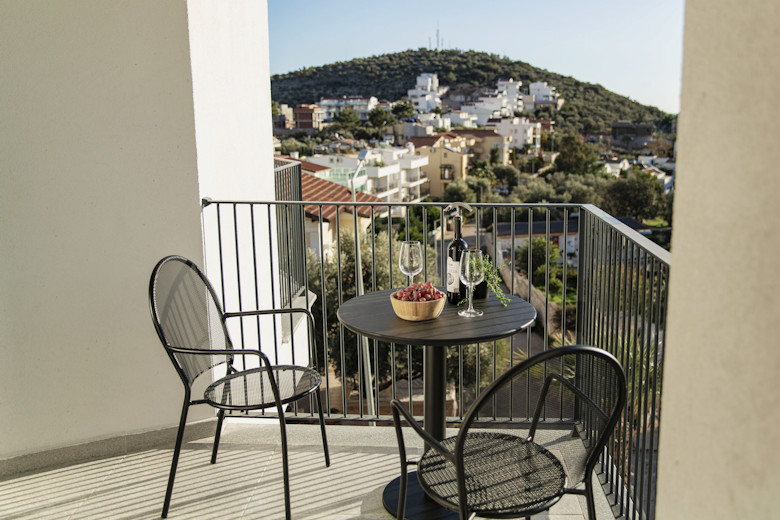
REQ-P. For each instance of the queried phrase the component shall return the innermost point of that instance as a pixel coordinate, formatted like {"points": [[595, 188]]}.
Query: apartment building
{"points": [[540, 94], [481, 142], [332, 106], [446, 161], [308, 117], [520, 131]]}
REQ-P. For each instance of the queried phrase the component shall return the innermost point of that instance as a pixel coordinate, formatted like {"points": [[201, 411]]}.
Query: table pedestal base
{"points": [[418, 505]]}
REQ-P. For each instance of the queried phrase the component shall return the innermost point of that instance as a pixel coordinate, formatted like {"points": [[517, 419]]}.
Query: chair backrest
{"points": [[187, 315], [581, 385]]}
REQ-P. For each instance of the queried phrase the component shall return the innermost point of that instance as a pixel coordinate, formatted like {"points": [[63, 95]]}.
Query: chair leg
{"points": [[285, 469], [322, 428], [402, 492], [175, 461], [220, 418], [589, 498]]}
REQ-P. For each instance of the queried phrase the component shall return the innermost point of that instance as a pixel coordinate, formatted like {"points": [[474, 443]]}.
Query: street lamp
{"points": [[359, 275]]}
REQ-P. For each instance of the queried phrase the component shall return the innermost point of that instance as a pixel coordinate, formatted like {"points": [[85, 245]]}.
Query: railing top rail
{"points": [[645, 243], [207, 201]]}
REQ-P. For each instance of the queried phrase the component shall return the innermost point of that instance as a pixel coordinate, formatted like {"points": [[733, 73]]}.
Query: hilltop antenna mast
{"points": [[437, 36]]}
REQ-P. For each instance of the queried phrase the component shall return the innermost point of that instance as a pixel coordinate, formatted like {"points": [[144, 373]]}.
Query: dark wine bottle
{"points": [[456, 291]]}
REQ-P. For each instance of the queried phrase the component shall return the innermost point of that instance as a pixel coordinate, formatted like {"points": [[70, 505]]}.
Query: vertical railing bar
{"points": [[529, 272], [358, 290], [372, 215], [511, 291], [339, 274], [309, 334], [660, 316], [631, 395], [494, 239], [643, 375], [273, 284], [323, 283], [462, 404], [625, 346], [612, 313]]}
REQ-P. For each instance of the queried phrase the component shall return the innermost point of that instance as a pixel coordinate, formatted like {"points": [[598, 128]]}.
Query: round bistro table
{"points": [[372, 315]]}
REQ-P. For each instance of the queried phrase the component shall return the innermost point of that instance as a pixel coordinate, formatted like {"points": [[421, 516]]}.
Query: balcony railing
{"points": [[608, 288]]}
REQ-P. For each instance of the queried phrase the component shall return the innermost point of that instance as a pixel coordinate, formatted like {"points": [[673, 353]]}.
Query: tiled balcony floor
{"points": [[246, 482]]}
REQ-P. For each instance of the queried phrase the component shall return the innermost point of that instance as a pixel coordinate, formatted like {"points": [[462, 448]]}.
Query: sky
{"points": [[630, 47]]}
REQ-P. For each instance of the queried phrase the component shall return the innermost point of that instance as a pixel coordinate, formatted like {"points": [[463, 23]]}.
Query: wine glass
{"points": [[411, 259], [472, 272]]}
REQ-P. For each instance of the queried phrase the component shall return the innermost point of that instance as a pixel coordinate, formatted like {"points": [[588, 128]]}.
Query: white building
{"points": [[331, 106], [459, 117], [511, 91], [540, 94], [388, 173], [519, 129], [426, 96], [434, 121]]}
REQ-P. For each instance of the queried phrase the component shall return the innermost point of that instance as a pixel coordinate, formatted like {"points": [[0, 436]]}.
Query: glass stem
{"points": [[471, 294]]}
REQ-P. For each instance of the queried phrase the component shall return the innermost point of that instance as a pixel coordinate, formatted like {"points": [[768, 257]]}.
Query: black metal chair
{"points": [[191, 325], [497, 474]]}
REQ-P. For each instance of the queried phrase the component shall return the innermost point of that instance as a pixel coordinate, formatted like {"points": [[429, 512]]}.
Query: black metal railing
{"points": [[592, 279]]}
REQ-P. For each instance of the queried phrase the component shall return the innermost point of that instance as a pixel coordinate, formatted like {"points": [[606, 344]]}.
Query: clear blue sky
{"points": [[630, 47]]}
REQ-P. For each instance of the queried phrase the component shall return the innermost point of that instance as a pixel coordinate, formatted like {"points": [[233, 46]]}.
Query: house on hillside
{"points": [[540, 94], [632, 136], [426, 95], [308, 117], [447, 163], [332, 106], [520, 131], [481, 143], [388, 173], [325, 220]]}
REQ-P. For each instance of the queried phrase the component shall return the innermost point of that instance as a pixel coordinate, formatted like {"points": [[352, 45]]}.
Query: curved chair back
{"points": [[187, 316], [581, 385]]}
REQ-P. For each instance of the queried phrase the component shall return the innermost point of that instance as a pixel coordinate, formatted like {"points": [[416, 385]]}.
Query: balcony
{"points": [[616, 299]]}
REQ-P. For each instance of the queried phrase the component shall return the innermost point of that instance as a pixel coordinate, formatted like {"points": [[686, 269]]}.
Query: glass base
{"points": [[470, 313]]}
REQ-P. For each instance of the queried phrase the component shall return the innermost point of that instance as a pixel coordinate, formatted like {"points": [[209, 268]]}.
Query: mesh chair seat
{"points": [[251, 389], [505, 474]]}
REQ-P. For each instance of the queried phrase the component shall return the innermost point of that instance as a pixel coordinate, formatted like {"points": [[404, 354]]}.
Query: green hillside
{"points": [[589, 108]]}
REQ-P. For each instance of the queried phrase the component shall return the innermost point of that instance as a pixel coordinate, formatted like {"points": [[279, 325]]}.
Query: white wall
{"points": [[720, 422], [99, 181], [117, 118]]}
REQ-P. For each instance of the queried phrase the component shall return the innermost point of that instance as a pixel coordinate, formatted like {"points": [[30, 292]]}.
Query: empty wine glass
{"points": [[472, 271], [411, 259]]}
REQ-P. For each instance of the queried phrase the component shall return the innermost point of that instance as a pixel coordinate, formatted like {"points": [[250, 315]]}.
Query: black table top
{"points": [[372, 315]]}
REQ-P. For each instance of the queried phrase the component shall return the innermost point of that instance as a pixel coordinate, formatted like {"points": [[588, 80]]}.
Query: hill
{"points": [[589, 108]]}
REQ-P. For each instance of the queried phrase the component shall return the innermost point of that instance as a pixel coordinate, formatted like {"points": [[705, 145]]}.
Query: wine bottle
{"points": [[456, 291]]}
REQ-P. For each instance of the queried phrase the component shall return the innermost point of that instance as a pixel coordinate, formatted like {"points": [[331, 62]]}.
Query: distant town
{"points": [[439, 141]]}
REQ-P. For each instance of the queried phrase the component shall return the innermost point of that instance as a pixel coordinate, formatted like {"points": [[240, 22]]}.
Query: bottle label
{"points": [[453, 275]]}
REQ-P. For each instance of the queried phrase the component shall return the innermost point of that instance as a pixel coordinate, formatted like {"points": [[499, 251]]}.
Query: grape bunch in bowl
{"points": [[418, 302]]}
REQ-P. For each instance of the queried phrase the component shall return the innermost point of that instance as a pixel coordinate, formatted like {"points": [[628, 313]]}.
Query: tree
{"points": [[275, 111], [575, 156], [544, 256], [495, 156], [458, 191], [380, 118], [347, 118], [403, 110], [639, 196], [507, 175]]}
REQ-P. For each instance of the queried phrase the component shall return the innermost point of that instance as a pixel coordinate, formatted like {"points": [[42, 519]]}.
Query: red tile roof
{"points": [[428, 140], [476, 133], [321, 190]]}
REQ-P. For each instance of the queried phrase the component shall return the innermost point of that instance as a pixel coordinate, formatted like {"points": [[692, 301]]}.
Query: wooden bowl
{"points": [[417, 311]]}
